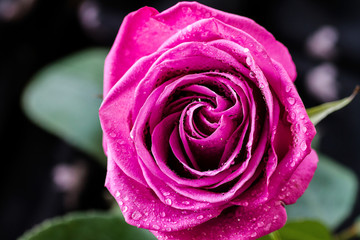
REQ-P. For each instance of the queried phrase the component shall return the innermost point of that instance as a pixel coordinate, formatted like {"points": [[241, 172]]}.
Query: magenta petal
{"points": [[160, 149], [132, 43], [243, 223], [300, 179], [142, 208], [185, 13]]}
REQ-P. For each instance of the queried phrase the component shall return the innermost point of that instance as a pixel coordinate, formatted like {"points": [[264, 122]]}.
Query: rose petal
{"points": [[118, 138], [139, 35], [298, 182], [184, 14], [237, 223], [142, 208]]}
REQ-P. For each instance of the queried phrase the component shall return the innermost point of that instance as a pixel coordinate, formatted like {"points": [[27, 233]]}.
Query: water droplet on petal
{"points": [[276, 217], [252, 74], [253, 234], [248, 61], [117, 194], [162, 214], [200, 217], [156, 227], [267, 228], [261, 224], [246, 50], [168, 201], [166, 193], [186, 202], [303, 146], [288, 88], [112, 134], [125, 208], [304, 129], [291, 100], [136, 215]]}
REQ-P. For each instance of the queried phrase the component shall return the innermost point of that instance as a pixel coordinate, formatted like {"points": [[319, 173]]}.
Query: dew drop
{"points": [[136, 215], [156, 227], [253, 234], [131, 135], [168, 229], [292, 115], [168, 201], [304, 129], [117, 194], [261, 86], [186, 202], [166, 193], [293, 164], [267, 227], [246, 50], [291, 100], [200, 217], [252, 74], [288, 88], [261, 224], [112, 134], [248, 61], [276, 217], [162, 214], [303, 146], [125, 209], [245, 204]]}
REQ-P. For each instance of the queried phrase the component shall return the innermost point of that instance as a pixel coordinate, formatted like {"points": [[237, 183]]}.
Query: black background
{"points": [[34, 33]]}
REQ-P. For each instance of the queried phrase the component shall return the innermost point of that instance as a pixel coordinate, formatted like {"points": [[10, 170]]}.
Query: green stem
{"points": [[275, 235], [349, 233]]}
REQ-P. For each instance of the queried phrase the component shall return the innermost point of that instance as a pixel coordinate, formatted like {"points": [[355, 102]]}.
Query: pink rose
{"points": [[205, 133]]}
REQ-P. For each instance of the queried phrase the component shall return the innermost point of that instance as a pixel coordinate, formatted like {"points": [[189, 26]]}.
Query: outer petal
{"points": [[300, 179], [139, 35], [142, 208], [186, 13], [115, 110], [246, 223], [240, 223]]}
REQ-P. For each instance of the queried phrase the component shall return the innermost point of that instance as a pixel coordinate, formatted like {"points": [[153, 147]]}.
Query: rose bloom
{"points": [[205, 133]]}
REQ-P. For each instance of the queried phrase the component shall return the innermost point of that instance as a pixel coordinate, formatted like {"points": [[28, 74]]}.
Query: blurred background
{"points": [[42, 176]]}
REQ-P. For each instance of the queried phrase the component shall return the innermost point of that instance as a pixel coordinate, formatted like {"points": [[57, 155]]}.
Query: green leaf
{"points": [[89, 226], [330, 196], [64, 99], [300, 230], [272, 236], [318, 113]]}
